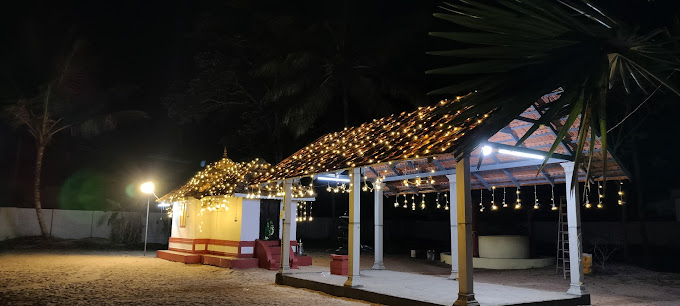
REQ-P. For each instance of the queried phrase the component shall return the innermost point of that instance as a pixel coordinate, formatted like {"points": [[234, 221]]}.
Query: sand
{"points": [[119, 277], [116, 277]]}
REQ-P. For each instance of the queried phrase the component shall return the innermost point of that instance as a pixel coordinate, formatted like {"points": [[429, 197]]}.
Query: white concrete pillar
{"points": [[454, 226], [466, 294], [576, 286], [286, 215], [353, 242], [378, 217]]}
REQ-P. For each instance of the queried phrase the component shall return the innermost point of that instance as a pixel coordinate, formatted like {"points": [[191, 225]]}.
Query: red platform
{"points": [[229, 262], [339, 264], [186, 258]]}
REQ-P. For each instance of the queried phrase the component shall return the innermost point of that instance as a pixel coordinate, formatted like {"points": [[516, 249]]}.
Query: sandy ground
{"points": [[115, 277], [119, 277]]}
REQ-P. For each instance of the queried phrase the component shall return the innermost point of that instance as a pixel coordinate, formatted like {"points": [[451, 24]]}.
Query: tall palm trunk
{"points": [[36, 188]]}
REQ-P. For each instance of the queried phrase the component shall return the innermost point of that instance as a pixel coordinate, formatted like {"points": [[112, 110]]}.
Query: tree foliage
{"points": [[512, 52]]}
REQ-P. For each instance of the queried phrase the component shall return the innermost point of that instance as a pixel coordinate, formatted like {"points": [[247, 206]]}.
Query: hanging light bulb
{"points": [[536, 204], [422, 201], [518, 203], [587, 195], [396, 201], [620, 201], [446, 197], [437, 201], [552, 199], [405, 202], [600, 196], [504, 194], [481, 200], [493, 198]]}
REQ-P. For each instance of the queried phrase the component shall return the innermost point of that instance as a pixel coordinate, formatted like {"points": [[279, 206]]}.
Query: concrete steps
{"points": [[229, 262], [182, 257]]}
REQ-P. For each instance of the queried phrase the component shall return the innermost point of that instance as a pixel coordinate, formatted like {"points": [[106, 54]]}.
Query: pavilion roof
{"points": [[420, 144], [409, 135]]}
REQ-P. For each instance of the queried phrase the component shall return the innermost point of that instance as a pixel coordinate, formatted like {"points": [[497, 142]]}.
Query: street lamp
{"points": [[148, 189]]}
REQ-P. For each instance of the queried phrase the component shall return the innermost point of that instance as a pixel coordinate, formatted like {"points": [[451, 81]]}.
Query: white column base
{"points": [[378, 266], [575, 289], [285, 270], [453, 276], [353, 281]]}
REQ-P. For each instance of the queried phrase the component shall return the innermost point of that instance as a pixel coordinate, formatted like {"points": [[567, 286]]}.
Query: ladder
{"points": [[562, 262]]}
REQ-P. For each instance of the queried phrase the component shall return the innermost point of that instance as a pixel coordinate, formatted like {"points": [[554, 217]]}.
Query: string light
{"points": [[421, 133], [446, 197], [600, 196], [396, 200], [437, 201], [587, 195], [552, 198], [493, 198], [413, 202], [405, 202], [481, 200], [422, 201], [518, 203], [504, 194], [536, 204], [620, 193]]}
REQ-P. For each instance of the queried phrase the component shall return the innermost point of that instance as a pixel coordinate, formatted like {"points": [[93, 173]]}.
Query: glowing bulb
{"points": [[486, 150], [494, 207], [147, 187]]}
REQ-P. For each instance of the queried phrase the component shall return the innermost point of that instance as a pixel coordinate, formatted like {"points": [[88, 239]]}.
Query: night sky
{"points": [[136, 55]]}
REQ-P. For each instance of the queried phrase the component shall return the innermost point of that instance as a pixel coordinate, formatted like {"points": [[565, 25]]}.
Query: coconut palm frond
{"points": [[510, 53]]}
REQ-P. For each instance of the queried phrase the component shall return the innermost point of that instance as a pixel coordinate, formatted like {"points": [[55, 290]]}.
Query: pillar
{"points": [[454, 226], [353, 243], [286, 229], [466, 295], [378, 203], [576, 286]]}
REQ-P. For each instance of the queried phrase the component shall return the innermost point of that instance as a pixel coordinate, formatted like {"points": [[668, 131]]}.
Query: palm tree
{"points": [[512, 52], [52, 112]]}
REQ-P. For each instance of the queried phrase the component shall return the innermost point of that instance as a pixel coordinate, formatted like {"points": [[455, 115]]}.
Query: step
{"points": [[229, 262], [182, 257]]}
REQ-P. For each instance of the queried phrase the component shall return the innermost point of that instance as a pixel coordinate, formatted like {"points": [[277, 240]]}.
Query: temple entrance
{"points": [[269, 219]]}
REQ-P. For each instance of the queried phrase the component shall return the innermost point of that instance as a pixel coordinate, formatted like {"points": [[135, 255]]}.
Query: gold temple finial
{"points": [[225, 151]]}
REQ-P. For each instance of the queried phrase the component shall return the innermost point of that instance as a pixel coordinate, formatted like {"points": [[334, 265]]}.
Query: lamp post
{"points": [[148, 189]]}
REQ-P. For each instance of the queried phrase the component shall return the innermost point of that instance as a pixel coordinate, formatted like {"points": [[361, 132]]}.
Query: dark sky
{"points": [[139, 49]]}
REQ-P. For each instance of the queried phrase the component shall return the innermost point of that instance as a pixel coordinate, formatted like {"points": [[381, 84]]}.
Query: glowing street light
{"points": [[148, 189]]}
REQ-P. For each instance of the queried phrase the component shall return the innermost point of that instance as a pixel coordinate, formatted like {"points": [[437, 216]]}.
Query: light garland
{"points": [[536, 204], [620, 202], [504, 194], [587, 195], [437, 201], [422, 201], [518, 201], [493, 198], [481, 200], [446, 196], [421, 133], [552, 199], [600, 196]]}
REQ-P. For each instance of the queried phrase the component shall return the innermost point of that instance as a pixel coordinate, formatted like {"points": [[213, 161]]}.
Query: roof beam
{"points": [[510, 132], [439, 165], [512, 178], [373, 171], [547, 176], [554, 132], [481, 180]]}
